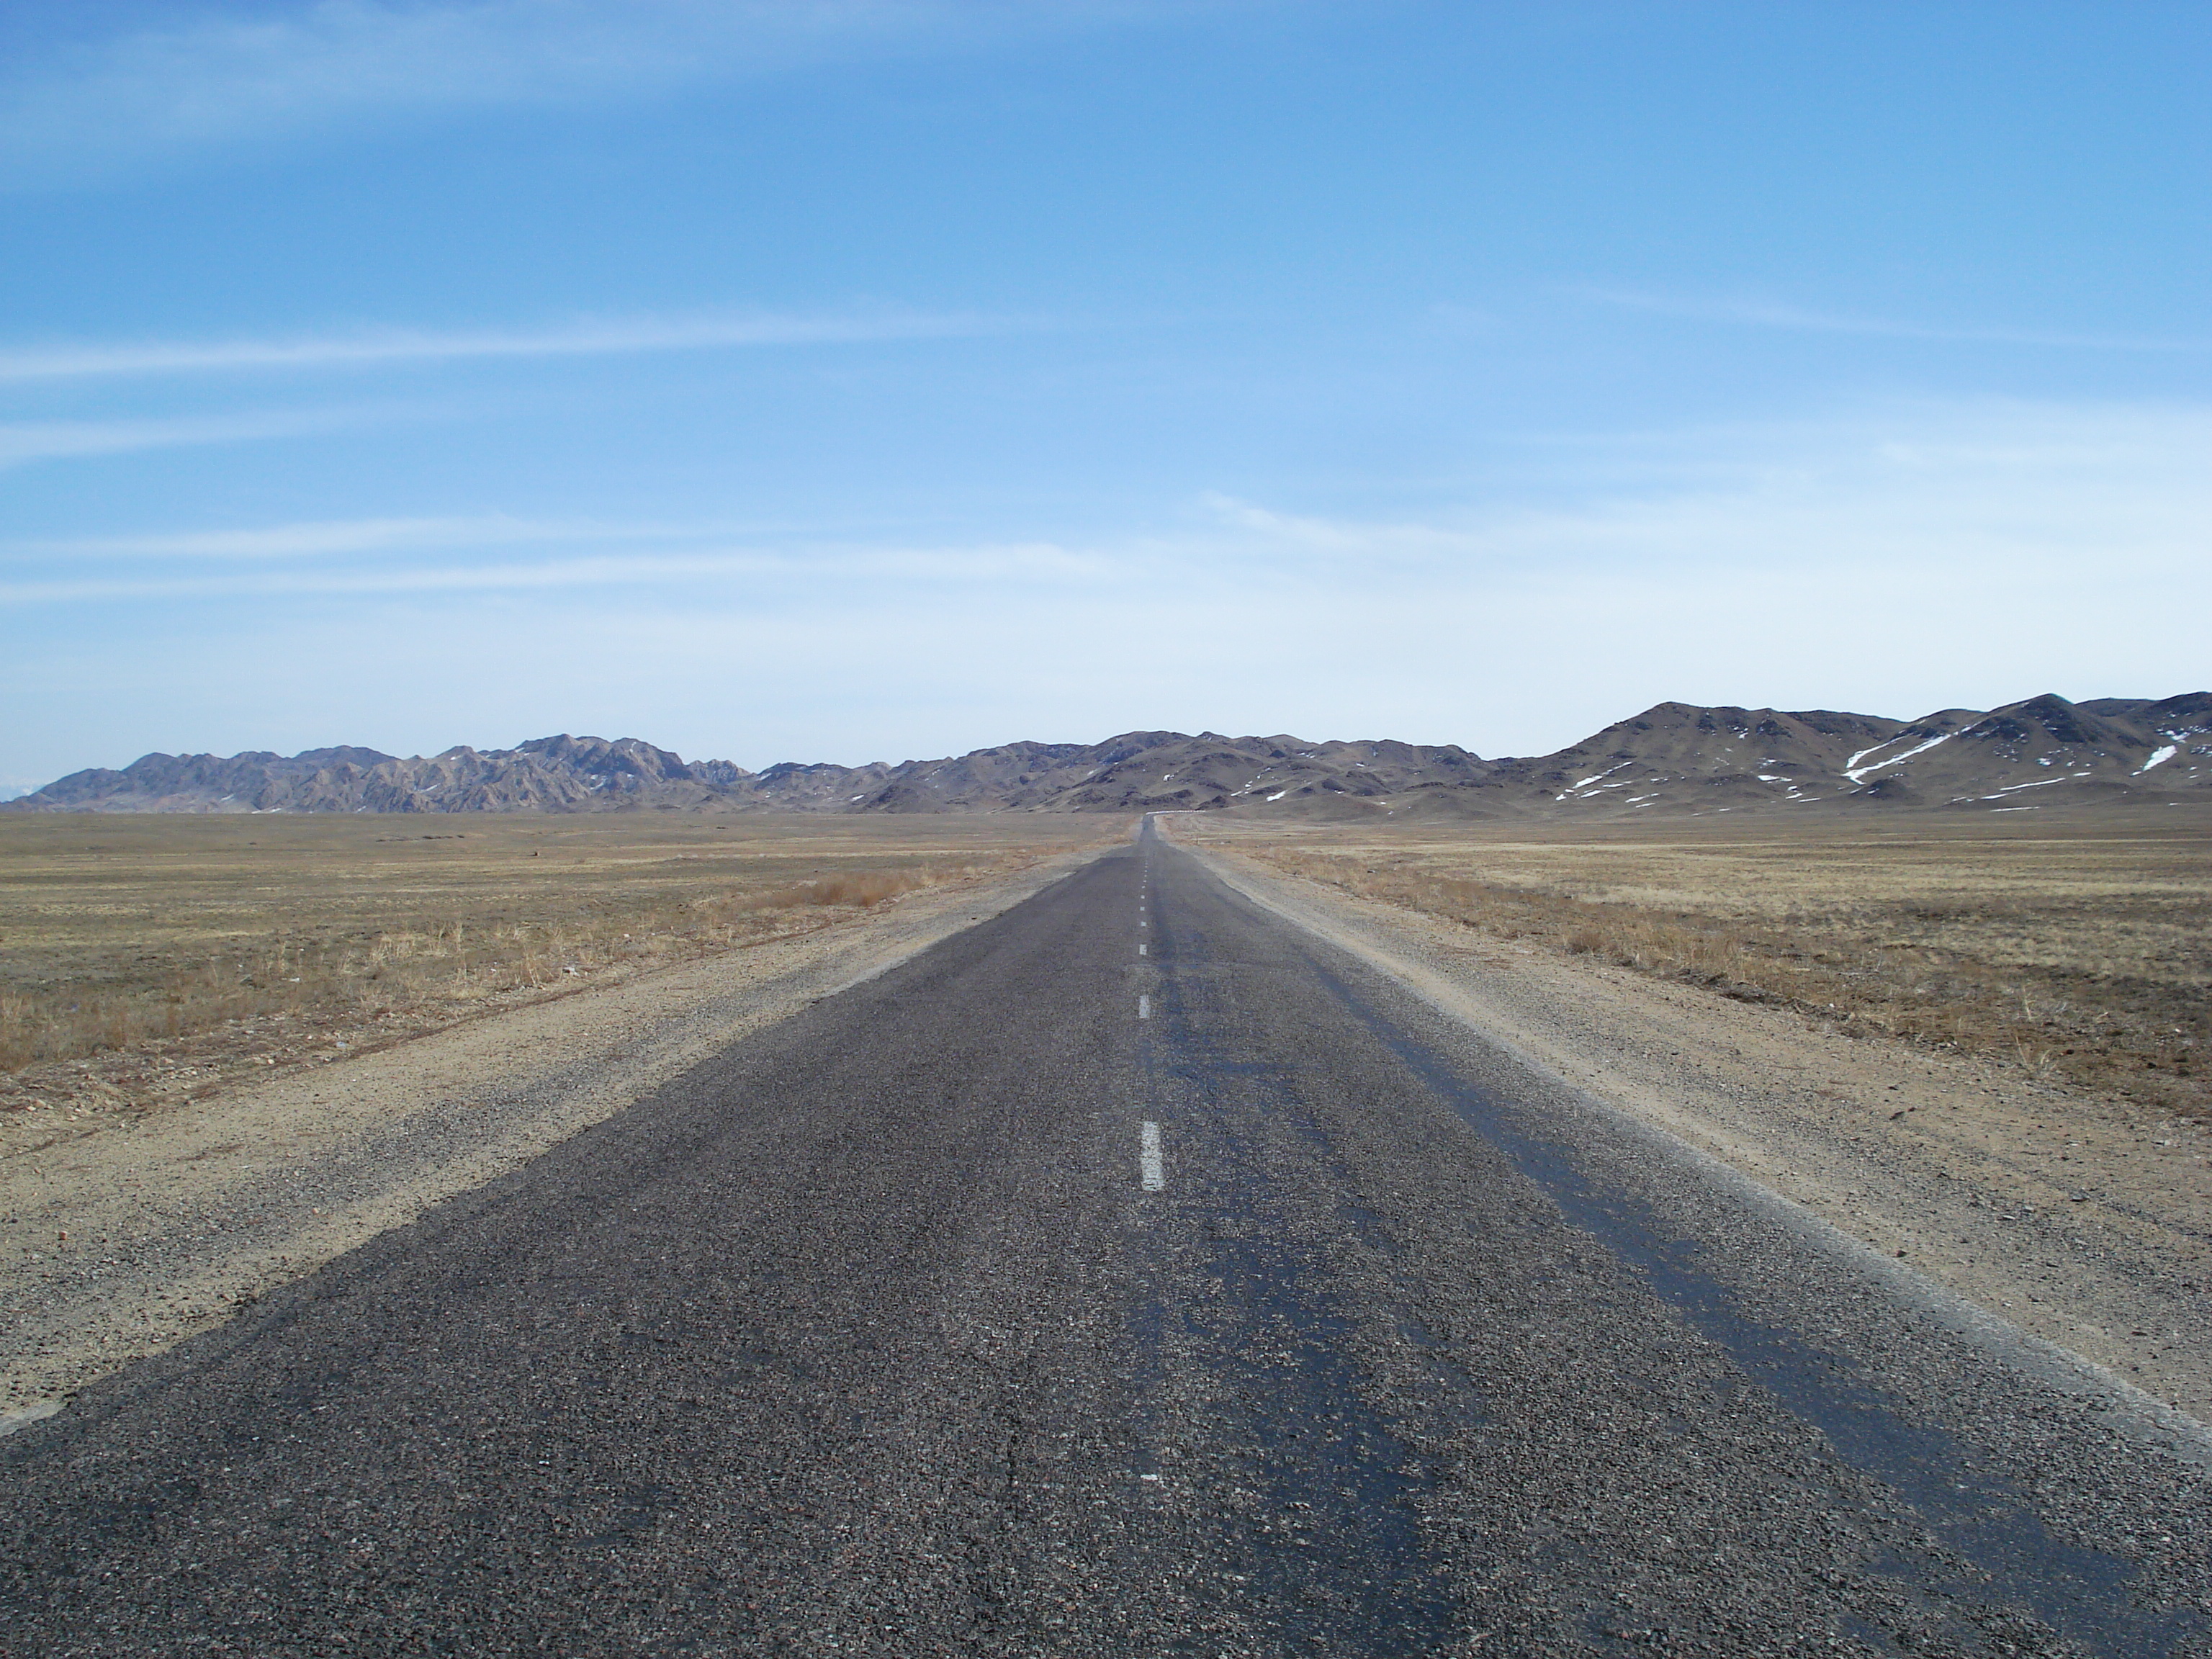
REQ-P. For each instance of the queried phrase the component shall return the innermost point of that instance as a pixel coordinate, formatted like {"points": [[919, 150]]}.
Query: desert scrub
{"points": [[2082, 960], [146, 957], [410, 971]]}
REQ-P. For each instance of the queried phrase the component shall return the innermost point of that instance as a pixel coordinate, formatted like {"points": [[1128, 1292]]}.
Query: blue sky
{"points": [[859, 381]]}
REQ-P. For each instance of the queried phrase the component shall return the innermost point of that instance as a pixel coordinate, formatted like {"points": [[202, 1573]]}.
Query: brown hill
{"points": [[1674, 758], [2077, 751], [556, 774], [1677, 758], [1160, 771], [1135, 772]]}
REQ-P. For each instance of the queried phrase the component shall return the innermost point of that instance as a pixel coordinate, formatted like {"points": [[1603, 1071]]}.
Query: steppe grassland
{"points": [[146, 957], [2079, 952]]}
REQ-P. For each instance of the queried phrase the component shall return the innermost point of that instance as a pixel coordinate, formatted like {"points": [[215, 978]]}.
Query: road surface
{"points": [[1134, 1274]]}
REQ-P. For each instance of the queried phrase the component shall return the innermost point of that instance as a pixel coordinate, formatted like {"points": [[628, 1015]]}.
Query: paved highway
{"points": [[1134, 1274]]}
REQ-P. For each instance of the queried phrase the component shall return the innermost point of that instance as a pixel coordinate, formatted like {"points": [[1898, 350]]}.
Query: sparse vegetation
{"points": [[2080, 956], [148, 958]]}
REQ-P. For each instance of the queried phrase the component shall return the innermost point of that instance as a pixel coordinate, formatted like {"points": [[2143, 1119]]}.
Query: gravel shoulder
{"points": [[122, 1241], [2084, 1223]]}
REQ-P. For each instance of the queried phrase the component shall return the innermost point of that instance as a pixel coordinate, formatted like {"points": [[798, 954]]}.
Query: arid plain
{"points": [[150, 958], [2077, 950], [1972, 1043]]}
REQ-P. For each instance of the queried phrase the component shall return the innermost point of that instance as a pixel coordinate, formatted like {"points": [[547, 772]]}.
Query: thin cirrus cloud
{"points": [[1897, 559], [1772, 313], [376, 552], [512, 576], [82, 109], [590, 337], [327, 537], [25, 442], [760, 575], [1889, 493]]}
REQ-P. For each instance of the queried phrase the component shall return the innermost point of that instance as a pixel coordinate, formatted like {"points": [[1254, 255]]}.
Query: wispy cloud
{"points": [[758, 569], [27, 441], [1892, 560], [340, 538], [1326, 538], [1760, 312], [84, 108], [319, 538], [418, 579], [396, 345], [1890, 491]]}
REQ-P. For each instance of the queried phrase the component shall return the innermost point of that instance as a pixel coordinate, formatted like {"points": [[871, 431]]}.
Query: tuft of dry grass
{"points": [[415, 970], [2080, 955], [146, 959]]}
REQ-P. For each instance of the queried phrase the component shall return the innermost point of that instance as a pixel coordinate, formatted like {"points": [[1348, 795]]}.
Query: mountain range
{"points": [[1673, 758]]}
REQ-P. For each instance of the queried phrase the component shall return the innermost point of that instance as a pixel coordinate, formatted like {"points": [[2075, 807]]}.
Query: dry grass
{"points": [[143, 959], [2079, 954]]}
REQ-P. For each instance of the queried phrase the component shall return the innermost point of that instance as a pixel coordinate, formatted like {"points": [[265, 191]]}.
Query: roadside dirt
{"points": [[2086, 1223], [120, 1236]]}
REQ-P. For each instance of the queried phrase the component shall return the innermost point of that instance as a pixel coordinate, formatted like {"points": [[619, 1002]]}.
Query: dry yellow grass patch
{"points": [[2080, 953], [146, 957]]}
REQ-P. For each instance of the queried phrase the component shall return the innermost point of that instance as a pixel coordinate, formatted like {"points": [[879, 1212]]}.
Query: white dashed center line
{"points": [[1140, 950], [1144, 1006], [1151, 1169]]}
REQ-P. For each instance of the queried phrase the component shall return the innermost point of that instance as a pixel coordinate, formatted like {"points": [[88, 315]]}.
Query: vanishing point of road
{"points": [[1131, 1274]]}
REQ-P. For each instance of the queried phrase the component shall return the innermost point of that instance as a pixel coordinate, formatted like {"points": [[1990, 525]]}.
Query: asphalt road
{"points": [[1134, 1274]]}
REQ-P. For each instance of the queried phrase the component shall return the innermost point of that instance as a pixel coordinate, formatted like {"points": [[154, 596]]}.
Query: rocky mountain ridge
{"points": [[546, 774], [1675, 757], [1672, 758]]}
